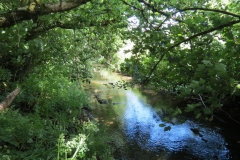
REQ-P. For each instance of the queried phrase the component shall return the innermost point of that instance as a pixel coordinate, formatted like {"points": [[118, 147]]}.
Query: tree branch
{"points": [[9, 99], [23, 13], [153, 8], [230, 116], [128, 4], [39, 30]]}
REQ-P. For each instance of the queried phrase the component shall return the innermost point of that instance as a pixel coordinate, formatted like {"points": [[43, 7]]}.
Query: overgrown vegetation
{"points": [[48, 48], [47, 122], [50, 56], [190, 49]]}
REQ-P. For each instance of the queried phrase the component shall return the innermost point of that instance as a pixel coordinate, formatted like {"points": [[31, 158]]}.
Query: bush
{"points": [[49, 125]]}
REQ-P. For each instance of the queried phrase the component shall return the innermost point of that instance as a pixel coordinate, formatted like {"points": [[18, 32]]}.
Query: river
{"points": [[134, 120]]}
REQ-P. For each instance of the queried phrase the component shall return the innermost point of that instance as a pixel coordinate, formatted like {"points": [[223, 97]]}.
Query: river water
{"points": [[135, 122]]}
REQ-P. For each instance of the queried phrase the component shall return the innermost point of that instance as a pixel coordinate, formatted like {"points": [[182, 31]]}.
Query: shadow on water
{"points": [[141, 134]]}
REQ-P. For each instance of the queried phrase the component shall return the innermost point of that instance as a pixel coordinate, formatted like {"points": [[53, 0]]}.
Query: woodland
{"points": [[188, 48]]}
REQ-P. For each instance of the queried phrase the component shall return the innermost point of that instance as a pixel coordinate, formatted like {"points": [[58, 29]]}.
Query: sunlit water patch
{"points": [[141, 126]]}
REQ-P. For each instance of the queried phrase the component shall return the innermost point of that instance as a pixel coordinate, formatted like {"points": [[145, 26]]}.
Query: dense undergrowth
{"points": [[46, 122]]}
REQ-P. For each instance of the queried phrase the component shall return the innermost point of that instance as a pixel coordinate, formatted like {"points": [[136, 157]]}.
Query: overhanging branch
{"points": [[7, 102], [39, 30], [23, 13], [147, 80]]}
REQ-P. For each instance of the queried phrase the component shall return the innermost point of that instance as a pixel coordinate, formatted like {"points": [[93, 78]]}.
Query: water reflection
{"points": [[142, 127]]}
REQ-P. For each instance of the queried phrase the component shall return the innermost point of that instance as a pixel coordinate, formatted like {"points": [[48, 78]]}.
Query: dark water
{"points": [[139, 133]]}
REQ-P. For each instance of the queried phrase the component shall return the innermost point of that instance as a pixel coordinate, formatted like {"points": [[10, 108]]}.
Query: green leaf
{"points": [[208, 88], [238, 86], [207, 63], [200, 43], [179, 111], [198, 115], [191, 107], [202, 81], [206, 110], [201, 68], [229, 35], [194, 84], [221, 69]]}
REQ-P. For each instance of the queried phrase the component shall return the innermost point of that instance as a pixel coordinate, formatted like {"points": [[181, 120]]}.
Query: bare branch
{"points": [[202, 101], [230, 116]]}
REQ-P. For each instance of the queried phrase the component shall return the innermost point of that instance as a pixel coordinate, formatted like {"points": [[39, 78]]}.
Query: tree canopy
{"points": [[47, 49], [87, 26], [187, 47]]}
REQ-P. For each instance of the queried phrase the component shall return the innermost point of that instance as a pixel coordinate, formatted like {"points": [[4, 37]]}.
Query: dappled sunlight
{"points": [[105, 122], [109, 123]]}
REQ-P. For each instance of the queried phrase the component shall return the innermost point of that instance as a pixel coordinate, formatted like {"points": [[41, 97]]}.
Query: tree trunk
{"points": [[6, 103]]}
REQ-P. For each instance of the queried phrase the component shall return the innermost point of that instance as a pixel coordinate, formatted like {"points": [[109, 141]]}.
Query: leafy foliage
{"points": [[189, 49], [50, 55]]}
